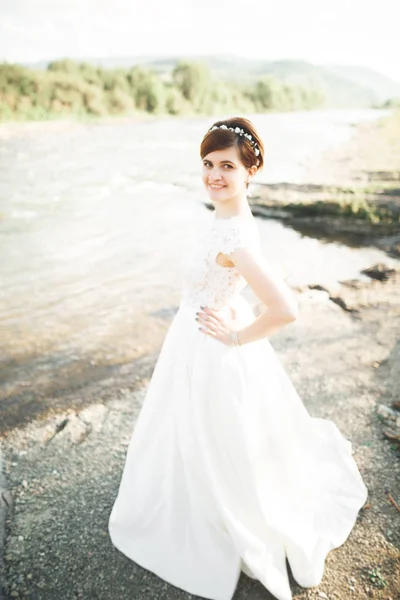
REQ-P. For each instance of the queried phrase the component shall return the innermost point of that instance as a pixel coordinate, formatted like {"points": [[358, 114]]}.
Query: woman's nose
{"points": [[214, 174]]}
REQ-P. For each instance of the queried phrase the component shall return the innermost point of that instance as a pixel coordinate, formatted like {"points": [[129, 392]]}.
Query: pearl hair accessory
{"points": [[240, 132]]}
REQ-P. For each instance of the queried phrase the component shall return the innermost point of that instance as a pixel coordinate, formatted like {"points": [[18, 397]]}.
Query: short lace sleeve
{"points": [[208, 283], [236, 233]]}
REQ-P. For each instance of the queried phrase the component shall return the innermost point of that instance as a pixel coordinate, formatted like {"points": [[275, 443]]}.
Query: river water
{"points": [[94, 219]]}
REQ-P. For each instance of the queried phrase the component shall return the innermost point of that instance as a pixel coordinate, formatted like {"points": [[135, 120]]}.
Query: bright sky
{"points": [[349, 32]]}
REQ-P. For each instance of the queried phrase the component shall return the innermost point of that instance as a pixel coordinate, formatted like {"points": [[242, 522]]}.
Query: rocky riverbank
{"points": [[342, 355], [350, 194]]}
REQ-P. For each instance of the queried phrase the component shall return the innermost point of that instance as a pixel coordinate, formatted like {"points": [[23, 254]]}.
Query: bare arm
{"points": [[280, 302]]}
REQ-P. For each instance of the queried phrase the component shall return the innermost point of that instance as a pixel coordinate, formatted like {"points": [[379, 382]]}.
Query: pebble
{"points": [[322, 595]]}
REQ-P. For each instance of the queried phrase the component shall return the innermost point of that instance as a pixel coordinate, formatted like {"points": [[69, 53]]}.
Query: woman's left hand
{"points": [[216, 324]]}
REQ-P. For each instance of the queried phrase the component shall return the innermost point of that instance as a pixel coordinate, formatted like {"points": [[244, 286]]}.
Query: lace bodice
{"points": [[207, 283]]}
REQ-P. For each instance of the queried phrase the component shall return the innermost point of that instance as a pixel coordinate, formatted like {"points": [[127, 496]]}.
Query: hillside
{"points": [[343, 86], [340, 92], [384, 87]]}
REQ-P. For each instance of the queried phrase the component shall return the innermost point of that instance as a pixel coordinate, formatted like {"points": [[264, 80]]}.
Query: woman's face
{"points": [[224, 175]]}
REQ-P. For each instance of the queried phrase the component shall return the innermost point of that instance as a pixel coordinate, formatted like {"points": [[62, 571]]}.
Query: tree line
{"points": [[69, 88]]}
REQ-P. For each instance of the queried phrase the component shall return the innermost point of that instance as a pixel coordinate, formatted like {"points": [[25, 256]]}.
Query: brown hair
{"points": [[219, 139]]}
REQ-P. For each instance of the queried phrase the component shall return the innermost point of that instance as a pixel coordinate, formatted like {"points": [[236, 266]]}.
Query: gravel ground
{"points": [[5, 502], [64, 472]]}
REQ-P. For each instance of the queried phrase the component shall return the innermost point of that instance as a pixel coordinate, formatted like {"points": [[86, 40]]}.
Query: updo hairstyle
{"points": [[219, 139]]}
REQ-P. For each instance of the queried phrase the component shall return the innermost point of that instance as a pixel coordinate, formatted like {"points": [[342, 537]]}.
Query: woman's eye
{"points": [[209, 165]]}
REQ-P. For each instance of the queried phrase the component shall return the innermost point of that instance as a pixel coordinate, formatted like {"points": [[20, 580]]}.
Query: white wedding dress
{"points": [[226, 471]]}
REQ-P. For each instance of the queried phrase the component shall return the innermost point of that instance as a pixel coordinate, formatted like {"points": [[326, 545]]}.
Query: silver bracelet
{"points": [[234, 338]]}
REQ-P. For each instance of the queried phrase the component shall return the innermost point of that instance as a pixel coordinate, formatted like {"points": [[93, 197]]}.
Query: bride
{"points": [[226, 471]]}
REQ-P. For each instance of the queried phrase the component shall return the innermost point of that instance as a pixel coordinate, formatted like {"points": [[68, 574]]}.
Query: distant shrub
{"points": [[175, 103], [119, 101], [69, 87], [391, 103]]}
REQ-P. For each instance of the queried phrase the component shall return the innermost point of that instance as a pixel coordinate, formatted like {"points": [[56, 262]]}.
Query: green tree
{"points": [[175, 103], [65, 65], [193, 80], [147, 90], [119, 101], [269, 93]]}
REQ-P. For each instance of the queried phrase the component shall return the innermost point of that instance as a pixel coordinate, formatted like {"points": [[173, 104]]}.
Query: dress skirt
{"points": [[227, 471]]}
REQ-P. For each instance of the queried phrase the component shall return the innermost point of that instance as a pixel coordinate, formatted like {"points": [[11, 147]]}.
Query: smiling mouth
{"points": [[216, 187]]}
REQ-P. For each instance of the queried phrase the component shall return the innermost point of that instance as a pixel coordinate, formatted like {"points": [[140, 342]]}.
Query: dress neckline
{"points": [[235, 218]]}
